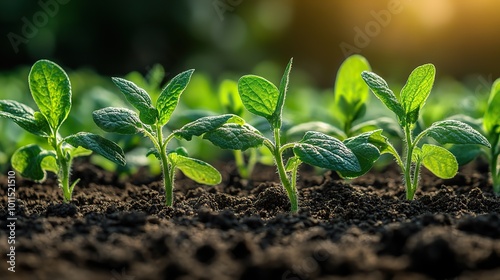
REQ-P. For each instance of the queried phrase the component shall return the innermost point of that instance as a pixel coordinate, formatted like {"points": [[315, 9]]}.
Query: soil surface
{"points": [[362, 229]]}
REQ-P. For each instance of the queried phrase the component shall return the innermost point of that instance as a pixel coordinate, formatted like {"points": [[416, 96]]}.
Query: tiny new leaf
{"points": [[417, 89], [276, 118], [169, 97]]}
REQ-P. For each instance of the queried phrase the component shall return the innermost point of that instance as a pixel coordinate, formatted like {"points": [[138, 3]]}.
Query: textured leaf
{"points": [[366, 152], [381, 90], [417, 88], [51, 90], [25, 117], [350, 90], [492, 114], [324, 151], [98, 144], [455, 132], [169, 97], [235, 137], [259, 96], [204, 125], [276, 118], [28, 160], [139, 98], [118, 120], [197, 170], [439, 161]]}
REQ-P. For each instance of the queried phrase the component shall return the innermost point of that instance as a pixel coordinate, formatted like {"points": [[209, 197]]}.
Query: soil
{"points": [[362, 229]]}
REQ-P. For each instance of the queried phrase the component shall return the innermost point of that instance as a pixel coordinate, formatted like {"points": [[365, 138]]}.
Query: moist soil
{"points": [[360, 229]]}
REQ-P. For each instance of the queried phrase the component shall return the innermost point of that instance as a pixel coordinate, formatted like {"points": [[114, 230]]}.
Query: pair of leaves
{"points": [[412, 96], [166, 103], [263, 98]]}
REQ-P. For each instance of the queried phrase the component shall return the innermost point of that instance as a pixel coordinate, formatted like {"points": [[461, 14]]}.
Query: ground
{"points": [[359, 229]]}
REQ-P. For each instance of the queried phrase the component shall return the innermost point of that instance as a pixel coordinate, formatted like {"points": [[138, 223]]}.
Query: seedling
{"points": [[436, 159], [150, 122], [263, 98], [51, 90], [491, 125]]}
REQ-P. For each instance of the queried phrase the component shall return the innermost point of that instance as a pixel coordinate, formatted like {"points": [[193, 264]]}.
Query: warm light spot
{"points": [[434, 14]]}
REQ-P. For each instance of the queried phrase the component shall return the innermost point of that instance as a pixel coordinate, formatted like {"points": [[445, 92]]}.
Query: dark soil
{"points": [[364, 229]]}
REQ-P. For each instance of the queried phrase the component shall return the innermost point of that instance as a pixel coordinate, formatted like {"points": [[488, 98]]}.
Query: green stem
{"points": [[407, 168], [495, 170], [165, 166], [289, 187], [64, 169], [240, 164]]}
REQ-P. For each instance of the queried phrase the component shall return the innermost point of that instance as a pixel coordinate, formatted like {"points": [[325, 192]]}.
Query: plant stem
{"points": [[495, 170], [165, 167], [289, 187], [409, 185], [64, 169], [240, 164]]}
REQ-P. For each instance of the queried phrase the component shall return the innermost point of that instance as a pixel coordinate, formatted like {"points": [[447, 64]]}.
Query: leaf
{"points": [[292, 164], [455, 132], [439, 161], [465, 153], [79, 152], [204, 125], [381, 90], [25, 117], [153, 151], [28, 160], [259, 96], [417, 89], [51, 90], [492, 115], [324, 151], [235, 137], [139, 98], [169, 97], [98, 144], [350, 90], [195, 169], [366, 152], [118, 120], [276, 118]]}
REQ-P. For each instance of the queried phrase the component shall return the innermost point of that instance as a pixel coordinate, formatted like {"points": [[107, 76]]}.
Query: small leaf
{"points": [[384, 93], [235, 137], [139, 98], [276, 118], [455, 132], [118, 120], [25, 117], [439, 161], [205, 124], [417, 89], [292, 164], [366, 152], [169, 97], [28, 160], [195, 169], [324, 151], [259, 96], [79, 152], [492, 114], [350, 90], [51, 90], [98, 144]]}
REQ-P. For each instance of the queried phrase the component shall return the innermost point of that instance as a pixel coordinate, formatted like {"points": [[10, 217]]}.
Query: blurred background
{"points": [[150, 41]]}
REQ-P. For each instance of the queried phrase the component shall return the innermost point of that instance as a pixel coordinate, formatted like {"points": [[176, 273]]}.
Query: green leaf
{"points": [[169, 97], [465, 153], [350, 90], [417, 89], [324, 151], [153, 151], [118, 120], [25, 117], [229, 97], [492, 115], [28, 160], [292, 164], [276, 118], [79, 152], [139, 98], [98, 144], [204, 125], [51, 90], [439, 161], [366, 152], [195, 169], [259, 96], [455, 132], [384, 93], [235, 137]]}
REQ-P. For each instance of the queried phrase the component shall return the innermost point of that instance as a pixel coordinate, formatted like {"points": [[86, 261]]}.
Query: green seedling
{"points": [[263, 98], [436, 159], [151, 121], [51, 90], [491, 125]]}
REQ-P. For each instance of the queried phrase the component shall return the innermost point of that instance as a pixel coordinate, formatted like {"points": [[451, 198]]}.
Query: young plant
{"points": [[491, 126], [263, 98], [436, 159], [150, 122], [51, 90]]}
